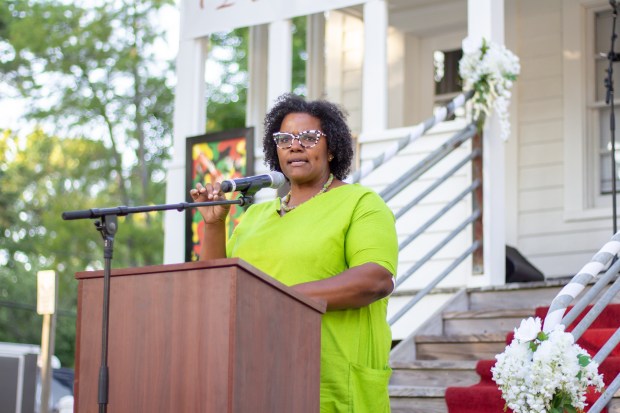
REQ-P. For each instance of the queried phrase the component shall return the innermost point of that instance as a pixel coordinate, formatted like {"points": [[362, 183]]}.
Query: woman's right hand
{"points": [[210, 214]]}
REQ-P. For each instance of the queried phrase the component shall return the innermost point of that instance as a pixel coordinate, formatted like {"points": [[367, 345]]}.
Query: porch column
{"points": [[190, 119], [315, 65], [485, 19], [374, 83], [257, 89], [280, 60]]}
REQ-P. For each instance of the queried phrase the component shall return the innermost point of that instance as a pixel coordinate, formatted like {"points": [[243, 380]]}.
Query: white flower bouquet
{"points": [[540, 372], [490, 71]]}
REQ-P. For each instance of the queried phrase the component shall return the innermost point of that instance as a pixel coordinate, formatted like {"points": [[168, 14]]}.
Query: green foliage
{"points": [[300, 55], [227, 97], [94, 69], [92, 73], [562, 403], [42, 176]]}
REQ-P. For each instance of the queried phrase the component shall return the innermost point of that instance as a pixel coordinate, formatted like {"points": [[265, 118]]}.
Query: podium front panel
{"points": [[198, 338]]}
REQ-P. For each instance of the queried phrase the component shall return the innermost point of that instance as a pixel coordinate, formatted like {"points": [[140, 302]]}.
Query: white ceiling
{"points": [[424, 18]]}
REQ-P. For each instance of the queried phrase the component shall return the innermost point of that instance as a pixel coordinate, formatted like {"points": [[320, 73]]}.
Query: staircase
{"points": [[473, 327]]}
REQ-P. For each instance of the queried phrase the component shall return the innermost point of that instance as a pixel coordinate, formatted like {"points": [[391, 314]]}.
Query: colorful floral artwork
{"points": [[214, 158]]}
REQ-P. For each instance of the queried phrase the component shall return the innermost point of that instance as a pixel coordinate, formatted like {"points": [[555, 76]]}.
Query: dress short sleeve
{"points": [[371, 236]]}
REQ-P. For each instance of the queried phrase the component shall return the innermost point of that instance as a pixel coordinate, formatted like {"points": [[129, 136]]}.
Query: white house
{"points": [[546, 189]]}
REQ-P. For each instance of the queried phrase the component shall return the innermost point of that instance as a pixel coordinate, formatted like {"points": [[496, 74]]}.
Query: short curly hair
{"points": [[333, 124]]}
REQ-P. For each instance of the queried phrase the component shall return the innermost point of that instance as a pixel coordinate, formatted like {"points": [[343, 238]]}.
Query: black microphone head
{"points": [[252, 184]]}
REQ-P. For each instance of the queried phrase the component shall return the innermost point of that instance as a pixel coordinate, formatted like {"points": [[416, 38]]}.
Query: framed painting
{"points": [[214, 157]]}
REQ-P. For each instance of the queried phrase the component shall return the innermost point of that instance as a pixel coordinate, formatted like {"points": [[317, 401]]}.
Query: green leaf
{"points": [[583, 360]]}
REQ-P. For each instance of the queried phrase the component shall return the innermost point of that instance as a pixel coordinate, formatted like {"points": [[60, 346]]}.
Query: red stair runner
{"points": [[485, 397]]}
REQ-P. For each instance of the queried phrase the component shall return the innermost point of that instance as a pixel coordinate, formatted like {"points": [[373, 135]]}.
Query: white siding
{"points": [[557, 246], [552, 239]]}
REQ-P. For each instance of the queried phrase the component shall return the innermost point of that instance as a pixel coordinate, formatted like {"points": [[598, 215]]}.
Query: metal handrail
{"points": [[423, 292], [418, 130], [600, 305], [476, 153], [591, 294], [400, 280], [420, 168], [599, 261], [605, 256], [607, 347], [428, 162], [474, 185], [605, 398]]}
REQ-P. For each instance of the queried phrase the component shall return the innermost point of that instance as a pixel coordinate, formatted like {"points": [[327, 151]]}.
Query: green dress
{"points": [[345, 227]]}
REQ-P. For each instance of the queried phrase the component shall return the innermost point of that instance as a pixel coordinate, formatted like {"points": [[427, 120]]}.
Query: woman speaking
{"points": [[326, 239]]}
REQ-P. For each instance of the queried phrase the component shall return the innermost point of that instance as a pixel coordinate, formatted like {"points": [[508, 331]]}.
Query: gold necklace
{"points": [[287, 198]]}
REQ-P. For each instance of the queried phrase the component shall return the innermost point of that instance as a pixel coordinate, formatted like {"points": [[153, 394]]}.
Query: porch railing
{"points": [[607, 255], [413, 174], [418, 130]]}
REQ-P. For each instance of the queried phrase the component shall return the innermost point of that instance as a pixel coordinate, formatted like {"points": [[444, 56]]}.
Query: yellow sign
{"points": [[46, 292]]}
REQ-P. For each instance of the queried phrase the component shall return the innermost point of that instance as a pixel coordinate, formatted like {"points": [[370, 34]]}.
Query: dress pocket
{"points": [[368, 389]]}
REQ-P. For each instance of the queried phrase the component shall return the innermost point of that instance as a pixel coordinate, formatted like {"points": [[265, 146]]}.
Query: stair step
{"points": [[495, 313], [484, 321], [438, 373], [417, 399], [515, 295], [460, 347]]}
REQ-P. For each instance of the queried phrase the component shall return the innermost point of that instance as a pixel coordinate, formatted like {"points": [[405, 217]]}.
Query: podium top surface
{"points": [[319, 306]]}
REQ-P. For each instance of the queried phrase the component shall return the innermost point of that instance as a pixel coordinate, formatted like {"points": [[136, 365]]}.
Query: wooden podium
{"points": [[215, 336]]}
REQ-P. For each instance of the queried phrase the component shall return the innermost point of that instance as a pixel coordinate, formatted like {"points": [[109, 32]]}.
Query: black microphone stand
{"points": [[609, 100], [107, 225]]}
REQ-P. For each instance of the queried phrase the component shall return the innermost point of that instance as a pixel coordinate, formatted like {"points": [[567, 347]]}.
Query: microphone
{"points": [[253, 184]]}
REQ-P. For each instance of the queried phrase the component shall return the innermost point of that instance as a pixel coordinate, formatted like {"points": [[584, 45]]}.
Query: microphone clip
{"points": [[246, 199]]}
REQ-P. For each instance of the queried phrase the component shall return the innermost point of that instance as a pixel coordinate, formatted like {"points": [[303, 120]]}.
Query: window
{"points": [[586, 34], [448, 82], [599, 107]]}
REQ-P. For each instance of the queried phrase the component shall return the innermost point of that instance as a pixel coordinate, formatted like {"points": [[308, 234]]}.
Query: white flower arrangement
{"points": [[490, 71], [545, 373]]}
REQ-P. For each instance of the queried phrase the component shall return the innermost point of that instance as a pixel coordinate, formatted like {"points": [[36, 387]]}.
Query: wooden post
{"points": [[477, 203], [46, 305]]}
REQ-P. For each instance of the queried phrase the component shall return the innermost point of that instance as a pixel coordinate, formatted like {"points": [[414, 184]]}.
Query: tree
{"points": [[227, 96], [93, 71], [91, 76], [41, 176]]}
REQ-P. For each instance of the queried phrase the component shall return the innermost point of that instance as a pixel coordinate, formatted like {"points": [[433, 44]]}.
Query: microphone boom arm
{"points": [[93, 213]]}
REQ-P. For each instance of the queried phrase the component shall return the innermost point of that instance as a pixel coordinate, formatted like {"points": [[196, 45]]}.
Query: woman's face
{"points": [[304, 165]]}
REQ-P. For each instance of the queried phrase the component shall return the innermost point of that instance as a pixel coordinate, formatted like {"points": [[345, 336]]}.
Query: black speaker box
{"points": [[518, 269]]}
